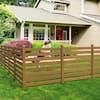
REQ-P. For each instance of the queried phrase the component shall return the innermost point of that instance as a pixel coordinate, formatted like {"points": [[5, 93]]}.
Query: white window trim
{"points": [[58, 11]]}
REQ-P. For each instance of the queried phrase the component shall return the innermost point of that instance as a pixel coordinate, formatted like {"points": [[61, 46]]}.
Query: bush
{"points": [[7, 40], [38, 44], [1, 40], [69, 48], [58, 45], [19, 44]]}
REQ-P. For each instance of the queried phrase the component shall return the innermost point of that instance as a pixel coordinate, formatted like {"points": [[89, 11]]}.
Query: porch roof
{"points": [[39, 15]]}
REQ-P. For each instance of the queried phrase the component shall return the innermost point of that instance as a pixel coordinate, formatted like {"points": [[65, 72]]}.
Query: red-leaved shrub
{"points": [[20, 44]]}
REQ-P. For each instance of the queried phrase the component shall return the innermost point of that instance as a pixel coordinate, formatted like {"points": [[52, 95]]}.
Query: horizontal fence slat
{"points": [[53, 72], [76, 70], [42, 63], [75, 48], [33, 67], [41, 68], [77, 56], [84, 73], [42, 58], [77, 78], [42, 78], [42, 83], [76, 65]]}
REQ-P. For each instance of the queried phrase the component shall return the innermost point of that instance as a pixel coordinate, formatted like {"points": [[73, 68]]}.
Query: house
{"points": [[70, 21]]}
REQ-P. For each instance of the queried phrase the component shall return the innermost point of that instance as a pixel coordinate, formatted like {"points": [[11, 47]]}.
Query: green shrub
{"points": [[7, 40], [68, 48], [67, 51], [38, 44], [1, 40], [58, 45]]}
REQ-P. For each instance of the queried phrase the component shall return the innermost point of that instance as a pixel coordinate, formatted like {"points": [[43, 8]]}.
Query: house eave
{"points": [[90, 18], [48, 22]]}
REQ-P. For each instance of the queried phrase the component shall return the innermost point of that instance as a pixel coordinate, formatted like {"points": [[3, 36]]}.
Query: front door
{"points": [[59, 34]]}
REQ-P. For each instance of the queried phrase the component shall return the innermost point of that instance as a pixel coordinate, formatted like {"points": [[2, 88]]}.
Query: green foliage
{"points": [[7, 40], [58, 45], [8, 1], [38, 44], [7, 20], [17, 2], [31, 2], [1, 40]]}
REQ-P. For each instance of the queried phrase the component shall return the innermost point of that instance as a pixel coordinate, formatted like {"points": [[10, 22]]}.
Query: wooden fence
{"points": [[33, 67]]}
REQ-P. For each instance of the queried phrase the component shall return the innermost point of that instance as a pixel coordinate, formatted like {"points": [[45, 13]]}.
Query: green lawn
{"points": [[74, 90]]}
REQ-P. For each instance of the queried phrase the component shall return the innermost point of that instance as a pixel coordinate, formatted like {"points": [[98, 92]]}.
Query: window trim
{"points": [[26, 28], [38, 29], [59, 11]]}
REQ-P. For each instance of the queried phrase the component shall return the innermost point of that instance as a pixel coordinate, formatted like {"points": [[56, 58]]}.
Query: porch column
{"points": [[46, 32], [55, 31], [30, 33], [70, 33], [22, 30]]}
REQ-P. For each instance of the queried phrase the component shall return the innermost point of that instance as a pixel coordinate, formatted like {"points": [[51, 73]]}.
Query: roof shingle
{"points": [[40, 15]]}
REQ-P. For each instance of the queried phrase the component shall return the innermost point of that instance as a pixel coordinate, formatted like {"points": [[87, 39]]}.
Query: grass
{"points": [[74, 90]]}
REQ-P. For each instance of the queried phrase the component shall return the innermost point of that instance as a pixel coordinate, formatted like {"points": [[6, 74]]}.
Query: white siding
{"points": [[44, 5], [74, 8], [89, 36], [91, 7]]}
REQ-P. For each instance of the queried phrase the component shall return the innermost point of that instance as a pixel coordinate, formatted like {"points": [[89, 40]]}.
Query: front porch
{"points": [[42, 31]]}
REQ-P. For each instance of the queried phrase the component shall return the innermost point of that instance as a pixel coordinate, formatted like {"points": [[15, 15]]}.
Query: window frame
{"points": [[59, 11], [36, 34], [26, 32]]}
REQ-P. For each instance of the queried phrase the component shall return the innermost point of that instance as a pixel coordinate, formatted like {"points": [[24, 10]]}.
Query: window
{"points": [[59, 7], [38, 33], [26, 33]]}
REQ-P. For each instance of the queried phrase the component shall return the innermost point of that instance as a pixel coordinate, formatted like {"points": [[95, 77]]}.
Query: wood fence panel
{"points": [[10, 58], [31, 67]]}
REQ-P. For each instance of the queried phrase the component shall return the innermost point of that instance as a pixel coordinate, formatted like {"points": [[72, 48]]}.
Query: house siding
{"points": [[74, 8], [44, 5], [92, 7], [89, 36]]}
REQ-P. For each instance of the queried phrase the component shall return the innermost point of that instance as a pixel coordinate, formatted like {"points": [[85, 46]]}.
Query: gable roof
{"points": [[37, 3], [59, 1], [39, 15]]}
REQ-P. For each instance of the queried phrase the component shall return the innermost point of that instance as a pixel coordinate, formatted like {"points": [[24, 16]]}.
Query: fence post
{"points": [[14, 55], [62, 69], [23, 71], [92, 61], [0, 54]]}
